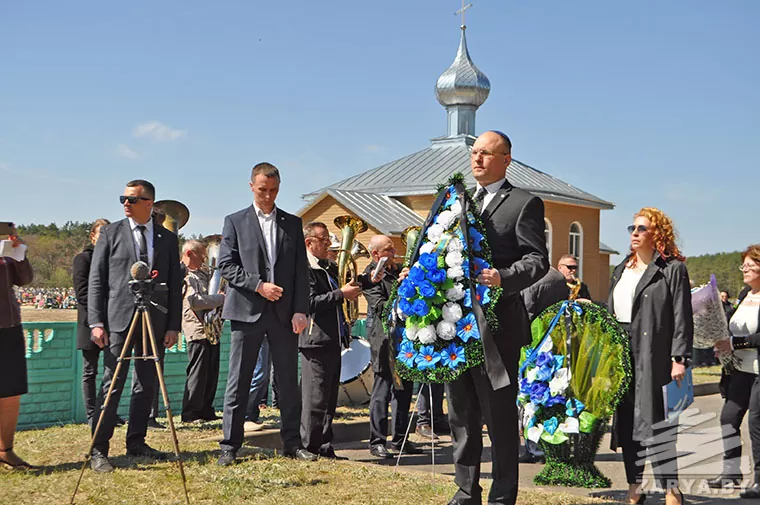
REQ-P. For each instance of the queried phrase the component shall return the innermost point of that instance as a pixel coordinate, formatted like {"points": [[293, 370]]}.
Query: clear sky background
{"points": [[643, 103]]}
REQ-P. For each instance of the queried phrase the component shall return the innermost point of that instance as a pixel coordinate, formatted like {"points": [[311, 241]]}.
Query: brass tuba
{"points": [[350, 249], [409, 238], [176, 214], [212, 320]]}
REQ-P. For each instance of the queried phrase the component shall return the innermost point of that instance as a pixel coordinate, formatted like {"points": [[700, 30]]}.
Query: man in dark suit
{"points": [[263, 258], [111, 308], [514, 222], [320, 343], [568, 266]]}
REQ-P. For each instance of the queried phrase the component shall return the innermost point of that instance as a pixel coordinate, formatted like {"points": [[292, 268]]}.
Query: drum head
{"points": [[354, 360]]}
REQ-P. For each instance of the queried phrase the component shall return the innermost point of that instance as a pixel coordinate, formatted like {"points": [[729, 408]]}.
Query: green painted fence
{"points": [[55, 375]]}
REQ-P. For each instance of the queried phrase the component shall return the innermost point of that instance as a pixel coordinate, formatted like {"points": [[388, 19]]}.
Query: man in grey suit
{"points": [[263, 258], [514, 222], [111, 308]]}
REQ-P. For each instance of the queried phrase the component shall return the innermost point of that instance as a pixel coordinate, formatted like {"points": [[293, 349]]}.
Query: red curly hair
{"points": [[663, 234]]}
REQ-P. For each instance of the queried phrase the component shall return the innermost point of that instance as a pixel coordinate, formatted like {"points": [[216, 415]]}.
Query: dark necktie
{"points": [[479, 198], [142, 244]]}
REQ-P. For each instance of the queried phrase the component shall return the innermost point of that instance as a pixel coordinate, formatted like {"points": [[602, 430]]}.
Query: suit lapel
{"points": [[280, 235], [158, 238], [258, 236], [126, 235], [500, 197]]}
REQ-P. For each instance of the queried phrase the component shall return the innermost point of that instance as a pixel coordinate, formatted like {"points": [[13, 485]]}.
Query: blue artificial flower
{"points": [[436, 275], [544, 358], [480, 264], [555, 400], [427, 357], [451, 197], [475, 238], [405, 306], [406, 289], [525, 385], [466, 268], [539, 393], [467, 300], [406, 353], [483, 294], [573, 407], [416, 275], [452, 356], [429, 260], [558, 361], [470, 217], [467, 328], [550, 425], [426, 289], [420, 308], [545, 373]]}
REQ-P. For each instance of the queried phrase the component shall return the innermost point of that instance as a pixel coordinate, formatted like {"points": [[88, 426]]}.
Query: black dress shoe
{"points": [[722, 481], [144, 450], [120, 421], [426, 431], [379, 451], [99, 462], [409, 448], [152, 423], [529, 457], [330, 454], [751, 492], [226, 458], [302, 455]]}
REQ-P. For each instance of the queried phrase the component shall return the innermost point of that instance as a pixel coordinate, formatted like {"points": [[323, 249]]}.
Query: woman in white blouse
{"points": [[650, 297], [743, 389]]}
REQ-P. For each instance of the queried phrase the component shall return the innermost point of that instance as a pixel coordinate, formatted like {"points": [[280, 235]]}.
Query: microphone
{"points": [[140, 271]]}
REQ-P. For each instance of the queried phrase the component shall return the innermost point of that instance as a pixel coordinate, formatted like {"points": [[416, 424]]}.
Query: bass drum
{"points": [[356, 375]]}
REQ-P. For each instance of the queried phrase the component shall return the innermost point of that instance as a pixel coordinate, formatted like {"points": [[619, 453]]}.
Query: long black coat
{"points": [[377, 295], [80, 273], [661, 327], [325, 304]]}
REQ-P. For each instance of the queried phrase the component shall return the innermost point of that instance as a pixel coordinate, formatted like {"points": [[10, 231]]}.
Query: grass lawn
{"points": [[706, 374], [262, 477]]}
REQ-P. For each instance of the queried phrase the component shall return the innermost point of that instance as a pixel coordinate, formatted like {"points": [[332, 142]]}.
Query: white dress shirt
{"points": [[491, 190], [148, 238], [623, 294], [268, 224]]}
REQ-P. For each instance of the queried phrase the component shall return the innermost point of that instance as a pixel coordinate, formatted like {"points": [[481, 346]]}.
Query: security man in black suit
{"points": [[514, 222], [111, 307], [263, 259], [320, 343]]}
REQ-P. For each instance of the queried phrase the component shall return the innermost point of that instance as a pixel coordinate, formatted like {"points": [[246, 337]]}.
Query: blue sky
{"points": [[646, 103]]}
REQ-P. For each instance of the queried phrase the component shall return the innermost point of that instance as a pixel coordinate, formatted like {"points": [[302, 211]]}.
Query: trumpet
{"points": [[350, 250], [409, 238]]}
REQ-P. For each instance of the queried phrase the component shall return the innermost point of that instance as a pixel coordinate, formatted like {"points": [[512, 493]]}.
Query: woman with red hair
{"points": [[650, 297]]}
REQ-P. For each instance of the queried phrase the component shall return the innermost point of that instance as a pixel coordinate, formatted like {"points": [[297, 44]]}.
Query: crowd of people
{"points": [[47, 298], [283, 298]]}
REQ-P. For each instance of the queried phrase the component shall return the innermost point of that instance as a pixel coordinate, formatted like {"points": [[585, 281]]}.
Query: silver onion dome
{"points": [[462, 83]]}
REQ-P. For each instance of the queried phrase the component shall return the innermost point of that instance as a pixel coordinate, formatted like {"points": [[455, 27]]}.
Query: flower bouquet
{"points": [[710, 324], [437, 313], [571, 381]]}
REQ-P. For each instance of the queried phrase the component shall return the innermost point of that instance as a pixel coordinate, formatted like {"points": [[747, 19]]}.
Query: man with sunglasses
{"points": [[568, 266], [111, 307]]}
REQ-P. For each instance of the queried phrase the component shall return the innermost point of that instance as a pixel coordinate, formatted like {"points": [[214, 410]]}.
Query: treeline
{"points": [[52, 249], [725, 266]]}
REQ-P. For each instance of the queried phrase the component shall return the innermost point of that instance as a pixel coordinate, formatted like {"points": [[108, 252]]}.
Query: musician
{"points": [[568, 266], [514, 222], [111, 307], [383, 390], [263, 258], [202, 345], [320, 342]]}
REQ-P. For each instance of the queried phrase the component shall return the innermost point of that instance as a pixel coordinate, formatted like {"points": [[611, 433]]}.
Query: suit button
{"points": [[645, 334], [645, 296]]}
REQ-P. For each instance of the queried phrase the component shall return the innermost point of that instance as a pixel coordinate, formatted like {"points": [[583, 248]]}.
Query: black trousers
{"points": [[202, 378], [382, 393], [143, 390], [320, 378], [430, 410], [244, 352], [754, 425], [90, 359], [738, 395]]}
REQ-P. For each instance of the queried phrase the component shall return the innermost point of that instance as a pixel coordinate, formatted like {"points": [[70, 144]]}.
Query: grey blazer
{"points": [[243, 262], [110, 300]]}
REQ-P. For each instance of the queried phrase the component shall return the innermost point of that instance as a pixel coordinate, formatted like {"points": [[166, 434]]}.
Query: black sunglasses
{"points": [[570, 267], [132, 199], [640, 228]]}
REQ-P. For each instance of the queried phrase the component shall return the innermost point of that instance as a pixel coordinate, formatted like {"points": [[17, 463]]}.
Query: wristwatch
{"points": [[681, 359]]}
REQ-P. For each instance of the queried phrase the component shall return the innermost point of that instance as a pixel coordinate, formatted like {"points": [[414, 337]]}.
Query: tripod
{"points": [[142, 314]]}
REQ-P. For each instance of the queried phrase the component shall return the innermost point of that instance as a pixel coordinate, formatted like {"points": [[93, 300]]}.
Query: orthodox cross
{"points": [[462, 10]]}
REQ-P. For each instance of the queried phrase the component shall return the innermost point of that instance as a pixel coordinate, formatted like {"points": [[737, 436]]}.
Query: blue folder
{"points": [[676, 399]]}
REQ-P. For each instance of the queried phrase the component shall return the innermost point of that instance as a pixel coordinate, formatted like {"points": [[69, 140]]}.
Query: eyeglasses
{"points": [[570, 267], [132, 199], [485, 152], [639, 229], [749, 268]]}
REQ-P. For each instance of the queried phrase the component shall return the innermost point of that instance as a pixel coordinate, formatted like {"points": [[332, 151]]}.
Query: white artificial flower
{"points": [[571, 425], [446, 330], [452, 312], [531, 374], [454, 259], [529, 410], [427, 247], [455, 293], [427, 334], [435, 232], [455, 245], [446, 219], [559, 382], [456, 207], [534, 433], [455, 273], [411, 332], [400, 313], [546, 346]]}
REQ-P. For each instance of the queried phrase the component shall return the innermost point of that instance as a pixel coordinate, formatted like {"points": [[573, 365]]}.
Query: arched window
{"points": [[576, 245], [548, 233]]}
